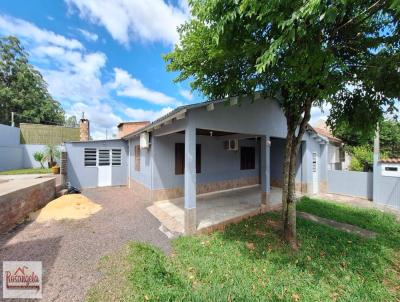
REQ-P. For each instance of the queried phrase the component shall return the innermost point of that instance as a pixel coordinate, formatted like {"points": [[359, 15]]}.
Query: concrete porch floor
{"points": [[214, 208]]}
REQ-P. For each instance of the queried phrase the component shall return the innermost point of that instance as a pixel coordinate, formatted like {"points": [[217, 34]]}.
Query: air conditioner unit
{"points": [[231, 145], [144, 140]]}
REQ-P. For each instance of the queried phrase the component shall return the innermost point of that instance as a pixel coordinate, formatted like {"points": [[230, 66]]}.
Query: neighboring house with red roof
{"points": [[338, 158]]}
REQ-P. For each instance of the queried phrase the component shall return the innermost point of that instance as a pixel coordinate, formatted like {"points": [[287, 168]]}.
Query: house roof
{"points": [[176, 112], [183, 109], [133, 123], [390, 160], [322, 129]]}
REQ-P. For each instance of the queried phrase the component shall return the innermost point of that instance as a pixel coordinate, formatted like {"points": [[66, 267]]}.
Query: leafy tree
{"points": [[22, 88], [301, 52], [71, 122], [389, 137], [39, 157]]}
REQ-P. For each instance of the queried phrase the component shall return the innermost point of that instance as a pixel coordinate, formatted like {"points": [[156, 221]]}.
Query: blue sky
{"points": [[104, 58]]}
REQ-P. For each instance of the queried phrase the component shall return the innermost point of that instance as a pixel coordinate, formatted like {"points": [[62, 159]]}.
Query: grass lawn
{"points": [[249, 262], [26, 171]]}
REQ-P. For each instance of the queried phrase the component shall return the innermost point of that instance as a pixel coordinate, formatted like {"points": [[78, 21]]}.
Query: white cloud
{"points": [[126, 20], [27, 30], [88, 35], [319, 113], [126, 85], [101, 116], [146, 115], [74, 77], [187, 94]]}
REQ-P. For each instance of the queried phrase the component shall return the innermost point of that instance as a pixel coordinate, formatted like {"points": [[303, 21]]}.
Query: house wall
{"points": [[277, 159], [263, 117], [87, 177], [359, 184], [216, 163]]}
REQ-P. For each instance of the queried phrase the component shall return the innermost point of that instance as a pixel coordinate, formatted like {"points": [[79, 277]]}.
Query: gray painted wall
{"points": [[144, 175], [11, 157], [216, 163], [10, 136], [350, 183], [386, 189], [87, 177]]}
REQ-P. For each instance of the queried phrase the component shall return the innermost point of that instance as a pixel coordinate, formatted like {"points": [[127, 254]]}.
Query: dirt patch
{"points": [[74, 206]]}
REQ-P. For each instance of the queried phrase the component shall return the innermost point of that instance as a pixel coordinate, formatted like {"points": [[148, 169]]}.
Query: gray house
{"points": [[201, 148]]}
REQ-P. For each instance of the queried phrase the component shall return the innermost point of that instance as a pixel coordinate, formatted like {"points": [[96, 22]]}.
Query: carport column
{"points": [[265, 170], [190, 180]]}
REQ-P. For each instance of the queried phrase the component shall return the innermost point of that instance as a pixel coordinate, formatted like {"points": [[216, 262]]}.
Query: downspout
{"points": [[151, 167]]}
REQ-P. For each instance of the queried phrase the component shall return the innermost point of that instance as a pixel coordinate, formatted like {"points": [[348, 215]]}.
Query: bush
{"points": [[39, 157], [362, 158]]}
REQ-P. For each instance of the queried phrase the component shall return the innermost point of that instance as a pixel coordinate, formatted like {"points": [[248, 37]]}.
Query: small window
{"points": [[137, 157], [104, 157], [247, 158], [90, 157], [180, 158], [391, 169], [116, 157]]}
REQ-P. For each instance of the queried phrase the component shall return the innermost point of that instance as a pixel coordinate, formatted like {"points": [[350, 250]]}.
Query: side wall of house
{"points": [[87, 177]]}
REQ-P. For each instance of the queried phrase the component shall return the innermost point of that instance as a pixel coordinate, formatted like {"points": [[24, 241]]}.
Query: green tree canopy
{"points": [[303, 53], [22, 88]]}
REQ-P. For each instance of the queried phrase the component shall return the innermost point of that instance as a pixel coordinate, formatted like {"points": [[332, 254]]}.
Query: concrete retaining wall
{"points": [[359, 184], [19, 198]]}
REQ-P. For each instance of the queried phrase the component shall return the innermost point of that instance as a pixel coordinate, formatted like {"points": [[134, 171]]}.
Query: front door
{"points": [[104, 168], [315, 172]]}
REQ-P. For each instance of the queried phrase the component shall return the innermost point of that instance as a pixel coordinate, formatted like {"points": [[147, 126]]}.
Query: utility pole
{"points": [[12, 119], [375, 171], [106, 133]]}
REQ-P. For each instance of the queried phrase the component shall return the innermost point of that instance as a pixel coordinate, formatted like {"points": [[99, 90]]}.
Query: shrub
{"points": [[39, 157]]}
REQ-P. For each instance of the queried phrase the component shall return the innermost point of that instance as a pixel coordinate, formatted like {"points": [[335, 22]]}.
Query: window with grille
{"points": [[247, 158], [104, 157], [137, 157], [116, 157], [180, 158], [90, 157]]}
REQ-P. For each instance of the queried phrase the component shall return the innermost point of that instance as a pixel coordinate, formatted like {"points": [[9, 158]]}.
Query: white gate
{"points": [[104, 168], [315, 173]]}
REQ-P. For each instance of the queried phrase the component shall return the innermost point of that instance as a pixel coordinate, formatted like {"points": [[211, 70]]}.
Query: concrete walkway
{"points": [[348, 228], [357, 202]]}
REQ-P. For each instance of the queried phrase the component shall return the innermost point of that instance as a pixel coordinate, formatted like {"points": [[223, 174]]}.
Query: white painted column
{"points": [[265, 170], [190, 180]]}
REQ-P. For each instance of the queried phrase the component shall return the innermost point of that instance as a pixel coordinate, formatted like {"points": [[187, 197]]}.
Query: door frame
{"points": [[104, 168]]}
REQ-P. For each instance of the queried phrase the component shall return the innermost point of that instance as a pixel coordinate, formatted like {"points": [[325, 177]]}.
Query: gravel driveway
{"points": [[70, 250]]}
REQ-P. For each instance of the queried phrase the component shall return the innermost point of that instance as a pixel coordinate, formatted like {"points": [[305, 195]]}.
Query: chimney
{"points": [[84, 128]]}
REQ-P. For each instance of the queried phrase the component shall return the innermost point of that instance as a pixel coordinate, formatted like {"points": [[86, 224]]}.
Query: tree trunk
{"points": [[292, 147]]}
